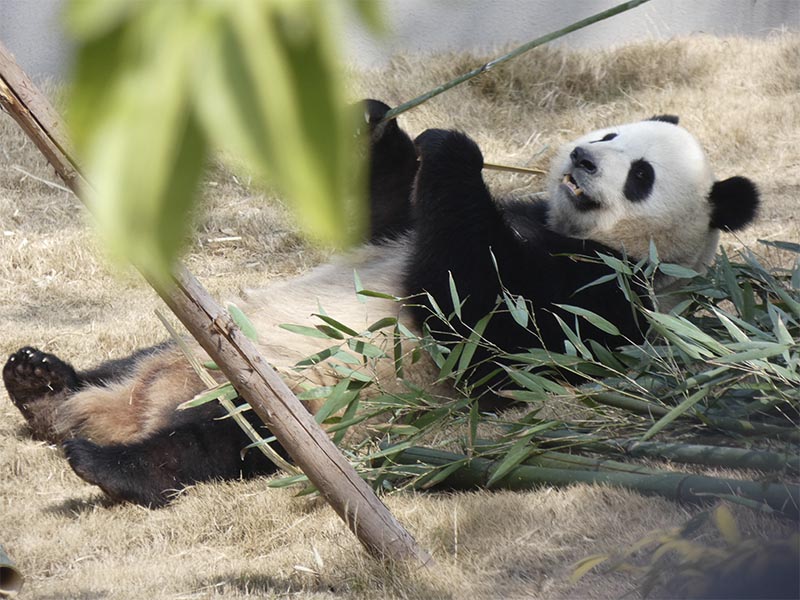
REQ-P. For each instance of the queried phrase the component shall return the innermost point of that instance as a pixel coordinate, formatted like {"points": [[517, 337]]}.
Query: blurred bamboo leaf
{"points": [[159, 85]]}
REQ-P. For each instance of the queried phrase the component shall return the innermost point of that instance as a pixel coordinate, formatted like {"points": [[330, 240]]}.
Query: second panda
{"points": [[611, 191]]}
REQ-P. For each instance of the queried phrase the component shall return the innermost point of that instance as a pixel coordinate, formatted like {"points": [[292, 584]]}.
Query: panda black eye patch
{"points": [[640, 180], [606, 138]]}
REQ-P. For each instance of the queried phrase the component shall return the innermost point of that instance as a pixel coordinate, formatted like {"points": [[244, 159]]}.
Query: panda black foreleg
{"points": [[392, 166], [457, 226], [151, 472]]}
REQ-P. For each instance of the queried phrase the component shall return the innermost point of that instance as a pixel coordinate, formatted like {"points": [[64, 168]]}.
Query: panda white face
{"points": [[627, 185]]}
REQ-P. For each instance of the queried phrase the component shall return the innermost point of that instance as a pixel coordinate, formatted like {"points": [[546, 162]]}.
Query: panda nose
{"points": [[581, 159]]}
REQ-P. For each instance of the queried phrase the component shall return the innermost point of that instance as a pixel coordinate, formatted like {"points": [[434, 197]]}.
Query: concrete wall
{"points": [[31, 28], [431, 25]]}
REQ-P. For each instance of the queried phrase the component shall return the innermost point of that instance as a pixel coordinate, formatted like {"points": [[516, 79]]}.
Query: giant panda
{"points": [[612, 191]]}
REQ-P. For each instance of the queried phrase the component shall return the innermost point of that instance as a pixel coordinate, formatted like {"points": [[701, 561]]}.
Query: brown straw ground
{"points": [[241, 539]]}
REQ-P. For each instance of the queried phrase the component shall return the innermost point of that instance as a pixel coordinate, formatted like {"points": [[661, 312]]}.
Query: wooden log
{"points": [[305, 441]]}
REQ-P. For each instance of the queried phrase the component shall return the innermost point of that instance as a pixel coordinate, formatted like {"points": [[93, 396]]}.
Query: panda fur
{"points": [[610, 191]]}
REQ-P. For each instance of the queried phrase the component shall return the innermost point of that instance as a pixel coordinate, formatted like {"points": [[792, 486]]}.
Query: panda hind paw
{"points": [[30, 374]]}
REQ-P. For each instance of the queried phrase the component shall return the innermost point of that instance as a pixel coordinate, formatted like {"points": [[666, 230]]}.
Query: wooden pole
{"points": [[297, 431]]}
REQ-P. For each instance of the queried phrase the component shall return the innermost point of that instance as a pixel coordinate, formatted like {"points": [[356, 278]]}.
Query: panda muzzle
{"points": [[577, 196]]}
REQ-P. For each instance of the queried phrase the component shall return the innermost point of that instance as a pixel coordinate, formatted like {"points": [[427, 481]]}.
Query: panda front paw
{"points": [[30, 375], [448, 147]]}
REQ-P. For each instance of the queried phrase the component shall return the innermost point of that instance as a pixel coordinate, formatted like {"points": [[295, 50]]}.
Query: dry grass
{"points": [[235, 540]]}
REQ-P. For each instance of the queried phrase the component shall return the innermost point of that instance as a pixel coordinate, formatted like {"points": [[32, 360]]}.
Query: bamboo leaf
{"points": [[222, 391], [241, 320], [519, 452], [471, 345], [454, 295], [677, 271], [336, 324], [726, 525], [676, 412], [582, 567], [338, 398], [314, 332], [365, 348], [517, 308], [593, 318], [382, 324]]}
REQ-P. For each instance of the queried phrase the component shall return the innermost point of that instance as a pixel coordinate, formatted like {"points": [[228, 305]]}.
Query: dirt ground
{"points": [[740, 97]]}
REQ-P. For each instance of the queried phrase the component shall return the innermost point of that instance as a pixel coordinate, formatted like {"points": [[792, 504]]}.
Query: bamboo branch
{"points": [[620, 8], [306, 442]]}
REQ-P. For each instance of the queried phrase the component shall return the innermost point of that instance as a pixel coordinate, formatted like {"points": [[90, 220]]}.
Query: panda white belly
{"points": [[328, 289]]}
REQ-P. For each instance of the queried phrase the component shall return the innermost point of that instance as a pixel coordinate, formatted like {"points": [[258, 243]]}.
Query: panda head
{"points": [[625, 186]]}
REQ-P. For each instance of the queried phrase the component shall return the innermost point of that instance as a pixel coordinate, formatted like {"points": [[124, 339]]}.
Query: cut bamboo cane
{"points": [[306, 442], [10, 578], [678, 487], [697, 454]]}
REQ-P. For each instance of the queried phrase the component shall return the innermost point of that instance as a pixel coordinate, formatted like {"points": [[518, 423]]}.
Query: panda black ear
{"points": [[665, 118], [734, 203]]}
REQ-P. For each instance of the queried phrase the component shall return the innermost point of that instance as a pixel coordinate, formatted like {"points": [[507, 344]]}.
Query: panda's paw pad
{"points": [[30, 374]]}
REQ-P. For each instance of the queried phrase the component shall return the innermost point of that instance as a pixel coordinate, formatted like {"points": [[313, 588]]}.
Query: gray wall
{"points": [[31, 28]]}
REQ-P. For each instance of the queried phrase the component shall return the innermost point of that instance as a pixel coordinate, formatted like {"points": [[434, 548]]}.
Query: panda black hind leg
{"points": [[200, 447]]}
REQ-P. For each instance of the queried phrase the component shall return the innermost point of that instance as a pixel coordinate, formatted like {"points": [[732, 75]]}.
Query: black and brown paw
{"points": [[31, 375]]}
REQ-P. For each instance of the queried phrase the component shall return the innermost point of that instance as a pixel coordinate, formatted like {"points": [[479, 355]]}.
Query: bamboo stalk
{"points": [[510, 169], [729, 424], [697, 454], [11, 579], [310, 447], [678, 487], [620, 8]]}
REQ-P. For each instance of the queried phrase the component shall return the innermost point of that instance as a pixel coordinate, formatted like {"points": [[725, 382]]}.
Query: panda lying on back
{"points": [[610, 191]]}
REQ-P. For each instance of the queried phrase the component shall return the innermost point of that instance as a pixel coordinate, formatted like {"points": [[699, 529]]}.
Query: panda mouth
{"points": [[579, 198]]}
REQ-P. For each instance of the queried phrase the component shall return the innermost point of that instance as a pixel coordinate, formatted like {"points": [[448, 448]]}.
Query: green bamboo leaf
{"points": [[382, 324], [241, 320], [517, 308], [338, 398], [518, 453], [602, 324], [471, 346], [677, 271], [315, 332], [283, 482], [536, 383], [582, 567], [754, 354], [224, 391], [726, 524], [440, 475], [735, 333], [676, 412], [319, 356], [454, 295], [366, 349], [373, 294], [450, 362], [336, 324], [790, 246], [574, 339], [620, 266], [598, 281]]}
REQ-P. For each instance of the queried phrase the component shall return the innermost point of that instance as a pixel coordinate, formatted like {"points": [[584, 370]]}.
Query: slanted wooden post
{"points": [[297, 431]]}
